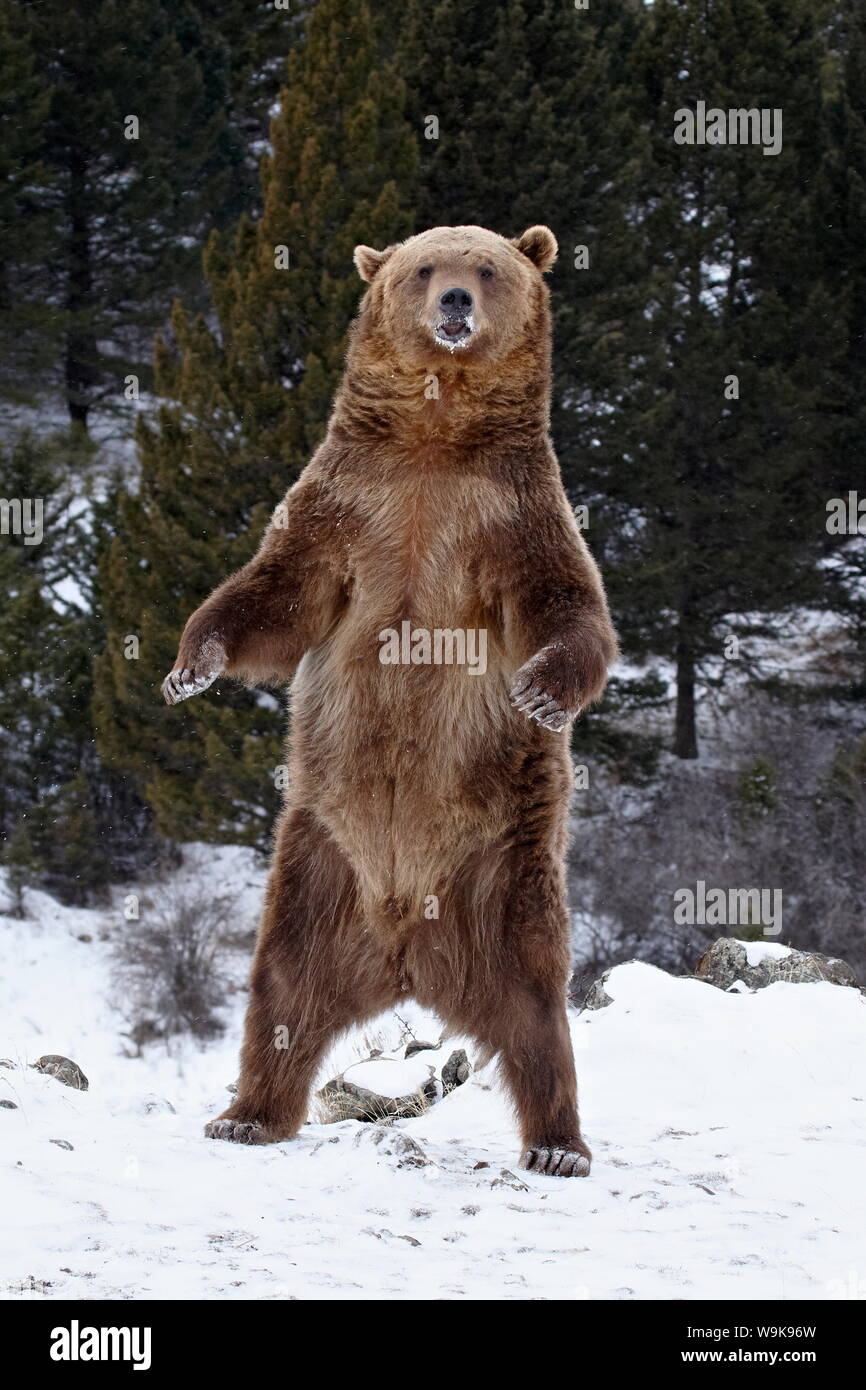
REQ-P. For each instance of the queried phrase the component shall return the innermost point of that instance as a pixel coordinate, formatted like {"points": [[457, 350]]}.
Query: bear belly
{"points": [[395, 760]]}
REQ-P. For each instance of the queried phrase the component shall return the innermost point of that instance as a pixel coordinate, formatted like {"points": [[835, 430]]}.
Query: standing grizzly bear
{"points": [[420, 849]]}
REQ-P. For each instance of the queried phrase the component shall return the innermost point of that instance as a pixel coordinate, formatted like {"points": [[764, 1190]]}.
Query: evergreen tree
{"points": [[246, 401], [140, 153], [256, 35], [842, 211], [25, 227], [533, 123], [34, 632], [52, 784], [710, 465], [18, 857]]}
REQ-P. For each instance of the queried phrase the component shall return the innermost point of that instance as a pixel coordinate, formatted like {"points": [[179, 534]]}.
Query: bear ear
{"points": [[538, 244], [369, 262]]}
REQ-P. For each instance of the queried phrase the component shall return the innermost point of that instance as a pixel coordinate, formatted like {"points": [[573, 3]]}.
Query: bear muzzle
{"points": [[455, 326]]}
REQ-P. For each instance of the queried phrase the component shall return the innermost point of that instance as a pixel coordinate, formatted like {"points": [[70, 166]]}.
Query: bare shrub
{"points": [[168, 966]]}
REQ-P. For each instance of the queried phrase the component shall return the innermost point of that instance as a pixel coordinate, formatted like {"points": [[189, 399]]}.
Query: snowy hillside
{"points": [[729, 1134]]}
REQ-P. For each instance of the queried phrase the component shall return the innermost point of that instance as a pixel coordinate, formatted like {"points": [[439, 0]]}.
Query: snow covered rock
{"points": [[455, 1071], [385, 1088], [380, 1089], [395, 1145], [755, 964], [597, 996], [152, 1104], [741, 966], [64, 1069]]}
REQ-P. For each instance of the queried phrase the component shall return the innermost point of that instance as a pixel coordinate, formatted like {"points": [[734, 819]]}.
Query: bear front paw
{"points": [[536, 703], [540, 692]]}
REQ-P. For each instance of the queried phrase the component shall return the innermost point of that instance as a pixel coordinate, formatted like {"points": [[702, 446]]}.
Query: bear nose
{"points": [[455, 302]]}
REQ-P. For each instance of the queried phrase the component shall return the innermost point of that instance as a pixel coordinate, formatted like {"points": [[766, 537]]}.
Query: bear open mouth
{"points": [[454, 332]]}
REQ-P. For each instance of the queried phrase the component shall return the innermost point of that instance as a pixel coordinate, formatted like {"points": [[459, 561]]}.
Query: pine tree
{"points": [[842, 202], [708, 469], [139, 156], [75, 865], [52, 785], [26, 333], [255, 37], [533, 124], [20, 860], [246, 397]]}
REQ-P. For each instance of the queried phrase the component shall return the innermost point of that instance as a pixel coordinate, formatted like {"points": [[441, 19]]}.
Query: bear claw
{"points": [[557, 1163], [181, 684], [535, 703], [208, 663]]}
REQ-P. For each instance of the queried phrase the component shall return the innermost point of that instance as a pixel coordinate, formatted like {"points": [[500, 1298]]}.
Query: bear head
{"points": [[458, 293]]}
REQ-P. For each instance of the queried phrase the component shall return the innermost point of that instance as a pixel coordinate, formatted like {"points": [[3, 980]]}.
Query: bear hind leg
{"points": [[316, 973], [518, 1011]]}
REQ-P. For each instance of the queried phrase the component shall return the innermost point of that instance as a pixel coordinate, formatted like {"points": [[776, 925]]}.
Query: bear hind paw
{"points": [[557, 1163], [237, 1131]]}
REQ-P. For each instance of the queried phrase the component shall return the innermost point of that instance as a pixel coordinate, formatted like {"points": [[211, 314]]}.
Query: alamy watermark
{"points": [[439, 646], [846, 516], [77, 1343], [729, 907], [736, 126], [22, 516]]}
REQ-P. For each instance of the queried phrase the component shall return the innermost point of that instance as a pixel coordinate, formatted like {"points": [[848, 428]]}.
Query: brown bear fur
{"points": [[435, 498]]}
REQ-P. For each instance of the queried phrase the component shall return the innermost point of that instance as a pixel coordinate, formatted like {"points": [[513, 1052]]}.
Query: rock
{"points": [[85, 936], [508, 1179], [730, 963], [4, 1062], [157, 1105], [455, 1071], [62, 1144], [389, 1235], [63, 1069], [8, 1105], [384, 1088], [597, 996], [394, 1143], [346, 1101], [381, 1088]]}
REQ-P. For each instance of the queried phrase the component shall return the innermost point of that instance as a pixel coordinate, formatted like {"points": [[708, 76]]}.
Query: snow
{"points": [[388, 1076], [729, 1134], [756, 951]]}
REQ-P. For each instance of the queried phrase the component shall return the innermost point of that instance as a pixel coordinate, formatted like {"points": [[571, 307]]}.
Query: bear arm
{"points": [[557, 622], [266, 615]]}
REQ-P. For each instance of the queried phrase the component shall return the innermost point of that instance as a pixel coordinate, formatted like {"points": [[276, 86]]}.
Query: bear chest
{"points": [[426, 541]]}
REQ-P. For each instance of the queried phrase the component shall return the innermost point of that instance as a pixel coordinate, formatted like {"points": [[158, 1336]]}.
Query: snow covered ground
{"points": [[729, 1134]]}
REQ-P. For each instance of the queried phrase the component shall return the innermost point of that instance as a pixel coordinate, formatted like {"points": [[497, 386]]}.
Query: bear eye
{"points": [[425, 272], [486, 273]]}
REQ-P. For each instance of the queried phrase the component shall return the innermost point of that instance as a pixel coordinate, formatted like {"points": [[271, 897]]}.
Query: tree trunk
{"points": [[80, 355], [685, 728]]}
